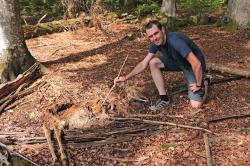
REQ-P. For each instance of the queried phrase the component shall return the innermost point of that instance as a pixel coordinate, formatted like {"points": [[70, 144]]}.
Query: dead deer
{"points": [[77, 116], [132, 93]]}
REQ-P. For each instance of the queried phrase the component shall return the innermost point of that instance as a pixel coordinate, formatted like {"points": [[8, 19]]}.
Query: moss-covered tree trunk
{"points": [[239, 11], [14, 55]]}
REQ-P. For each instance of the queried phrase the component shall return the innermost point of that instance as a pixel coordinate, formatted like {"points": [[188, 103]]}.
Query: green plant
{"points": [[31, 7], [147, 8], [200, 7], [115, 4], [169, 146], [248, 26]]}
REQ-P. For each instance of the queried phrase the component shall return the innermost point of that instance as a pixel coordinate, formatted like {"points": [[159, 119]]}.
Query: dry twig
{"points": [[114, 83], [155, 115], [163, 123], [228, 117], [208, 151], [121, 159]]}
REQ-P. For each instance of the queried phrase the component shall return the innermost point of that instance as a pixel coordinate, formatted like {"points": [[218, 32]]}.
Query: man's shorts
{"points": [[171, 65]]}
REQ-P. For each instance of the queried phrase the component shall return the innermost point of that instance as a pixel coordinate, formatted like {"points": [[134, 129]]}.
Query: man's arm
{"points": [[197, 69], [138, 68]]}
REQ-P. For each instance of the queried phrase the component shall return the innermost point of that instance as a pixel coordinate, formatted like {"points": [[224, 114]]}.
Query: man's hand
{"points": [[194, 87], [119, 80]]}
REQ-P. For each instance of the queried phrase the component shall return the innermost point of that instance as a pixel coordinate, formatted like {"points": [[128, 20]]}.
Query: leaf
{"points": [[169, 146]]}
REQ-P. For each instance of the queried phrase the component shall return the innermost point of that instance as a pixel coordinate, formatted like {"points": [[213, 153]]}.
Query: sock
{"points": [[164, 97]]}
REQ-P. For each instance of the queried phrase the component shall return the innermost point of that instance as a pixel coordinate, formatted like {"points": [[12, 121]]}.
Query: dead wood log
{"points": [[208, 150], [39, 29], [230, 70], [164, 123], [75, 136], [19, 92], [228, 117], [14, 89], [26, 77]]}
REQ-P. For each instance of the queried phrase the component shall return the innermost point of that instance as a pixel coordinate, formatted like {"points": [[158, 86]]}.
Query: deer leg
{"points": [[47, 133], [58, 133]]}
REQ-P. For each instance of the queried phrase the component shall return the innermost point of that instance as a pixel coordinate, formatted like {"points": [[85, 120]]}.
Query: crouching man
{"points": [[177, 53]]}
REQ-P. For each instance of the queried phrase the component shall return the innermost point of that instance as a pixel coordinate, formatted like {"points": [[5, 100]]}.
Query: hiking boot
{"points": [[159, 105]]}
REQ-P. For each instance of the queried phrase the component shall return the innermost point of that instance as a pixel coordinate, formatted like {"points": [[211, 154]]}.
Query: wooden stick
{"points": [[208, 151], [39, 21], [120, 159], [155, 115], [228, 117], [163, 123], [115, 84]]}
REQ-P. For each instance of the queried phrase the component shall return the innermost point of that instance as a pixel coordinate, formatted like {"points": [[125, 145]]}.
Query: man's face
{"points": [[155, 35]]}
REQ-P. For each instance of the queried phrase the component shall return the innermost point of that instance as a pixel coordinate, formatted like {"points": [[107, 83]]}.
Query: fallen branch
{"points": [[184, 89], [121, 159], [39, 21], [230, 70], [226, 79], [155, 115], [228, 117], [208, 151], [76, 136], [19, 92], [102, 142], [26, 77], [163, 123], [17, 154]]}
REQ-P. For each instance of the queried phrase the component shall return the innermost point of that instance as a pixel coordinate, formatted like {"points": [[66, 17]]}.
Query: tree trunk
{"points": [[239, 11], [169, 8], [14, 55], [128, 4]]}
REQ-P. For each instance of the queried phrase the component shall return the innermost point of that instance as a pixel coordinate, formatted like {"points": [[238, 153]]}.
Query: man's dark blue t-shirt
{"points": [[177, 47]]}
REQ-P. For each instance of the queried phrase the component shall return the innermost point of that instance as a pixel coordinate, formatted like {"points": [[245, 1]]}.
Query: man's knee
{"points": [[195, 104], [155, 63]]}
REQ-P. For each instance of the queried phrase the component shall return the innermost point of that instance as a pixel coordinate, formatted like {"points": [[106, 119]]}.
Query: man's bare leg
{"points": [[155, 68]]}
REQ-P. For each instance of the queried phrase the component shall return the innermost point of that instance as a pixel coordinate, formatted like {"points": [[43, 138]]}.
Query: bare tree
{"points": [[169, 8], [239, 11], [14, 55]]}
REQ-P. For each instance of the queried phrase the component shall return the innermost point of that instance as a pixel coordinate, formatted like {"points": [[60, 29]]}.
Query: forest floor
{"points": [[83, 64]]}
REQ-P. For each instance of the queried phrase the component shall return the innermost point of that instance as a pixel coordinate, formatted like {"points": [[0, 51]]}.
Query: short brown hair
{"points": [[151, 23]]}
